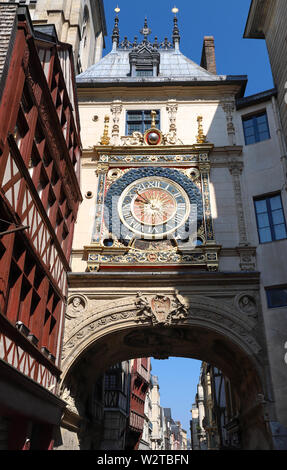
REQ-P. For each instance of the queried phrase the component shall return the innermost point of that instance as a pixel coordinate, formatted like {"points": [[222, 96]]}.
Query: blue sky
{"points": [[177, 378], [225, 20]]}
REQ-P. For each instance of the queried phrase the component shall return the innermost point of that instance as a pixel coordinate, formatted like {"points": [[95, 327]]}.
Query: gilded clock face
{"points": [[153, 207]]}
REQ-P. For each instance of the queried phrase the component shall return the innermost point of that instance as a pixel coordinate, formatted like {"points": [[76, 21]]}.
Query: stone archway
{"points": [[223, 328]]}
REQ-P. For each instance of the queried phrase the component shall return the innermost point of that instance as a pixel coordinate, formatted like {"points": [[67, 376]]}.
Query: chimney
{"points": [[208, 54]]}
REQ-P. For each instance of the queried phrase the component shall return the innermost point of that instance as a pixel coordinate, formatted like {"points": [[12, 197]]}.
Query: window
{"points": [[111, 381], [270, 218], [276, 297], [144, 72], [255, 128], [140, 121]]}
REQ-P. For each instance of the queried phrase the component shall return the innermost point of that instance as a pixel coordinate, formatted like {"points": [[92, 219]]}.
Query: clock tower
{"points": [[164, 255]]}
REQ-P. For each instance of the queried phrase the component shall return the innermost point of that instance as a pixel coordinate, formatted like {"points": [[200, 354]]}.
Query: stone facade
{"points": [[161, 298], [80, 23]]}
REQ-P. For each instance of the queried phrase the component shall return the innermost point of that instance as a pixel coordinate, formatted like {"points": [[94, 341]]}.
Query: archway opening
{"points": [[202, 343]]}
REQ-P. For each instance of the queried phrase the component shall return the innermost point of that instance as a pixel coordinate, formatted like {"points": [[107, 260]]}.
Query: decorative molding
{"points": [[148, 159], [235, 169], [116, 109], [204, 256], [229, 108], [168, 310]]}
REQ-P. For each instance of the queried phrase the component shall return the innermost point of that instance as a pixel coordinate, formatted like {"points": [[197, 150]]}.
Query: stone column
{"points": [[229, 108], [204, 168], [101, 172], [235, 169]]}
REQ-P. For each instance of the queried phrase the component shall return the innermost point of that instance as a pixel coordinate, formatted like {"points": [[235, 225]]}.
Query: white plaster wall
{"points": [[223, 207], [263, 174], [214, 121]]}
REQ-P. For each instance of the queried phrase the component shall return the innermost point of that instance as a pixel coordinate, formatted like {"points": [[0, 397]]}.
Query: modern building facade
{"points": [[40, 152]]}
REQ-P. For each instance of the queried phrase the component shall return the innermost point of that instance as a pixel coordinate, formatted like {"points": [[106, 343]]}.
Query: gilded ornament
{"points": [[105, 140], [200, 138]]}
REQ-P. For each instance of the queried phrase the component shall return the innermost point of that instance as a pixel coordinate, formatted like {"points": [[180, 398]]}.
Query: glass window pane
{"points": [[262, 127], [144, 73], [261, 206], [248, 123], [135, 118], [263, 136], [277, 217], [265, 235], [277, 297], [280, 231], [275, 202], [262, 119], [134, 127], [250, 140], [263, 220], [249, 132]]}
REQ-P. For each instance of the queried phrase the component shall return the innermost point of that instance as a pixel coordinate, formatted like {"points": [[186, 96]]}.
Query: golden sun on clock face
{"points": [[153, 207]]}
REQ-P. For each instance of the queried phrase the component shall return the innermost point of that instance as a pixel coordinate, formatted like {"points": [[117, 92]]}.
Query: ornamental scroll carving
{"points": [[161, 309]]}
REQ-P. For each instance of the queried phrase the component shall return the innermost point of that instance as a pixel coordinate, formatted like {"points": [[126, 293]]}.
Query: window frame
{"points": [[143, 119], [268, 291], [267, 198], [254, 117]]}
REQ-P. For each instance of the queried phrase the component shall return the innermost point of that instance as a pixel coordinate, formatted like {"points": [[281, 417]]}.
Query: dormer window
{"points": [[144, 72], [144, 57]]}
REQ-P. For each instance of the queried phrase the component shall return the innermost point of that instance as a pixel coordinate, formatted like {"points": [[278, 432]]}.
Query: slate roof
{"points": [[174, 66]]}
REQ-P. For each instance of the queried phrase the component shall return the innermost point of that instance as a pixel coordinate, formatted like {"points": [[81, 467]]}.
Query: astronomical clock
{"points": [[152, 204]]}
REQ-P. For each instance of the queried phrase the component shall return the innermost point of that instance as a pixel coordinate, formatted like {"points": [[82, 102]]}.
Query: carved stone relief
{"points": [[76, 305], [162, 309], [246, 303]]}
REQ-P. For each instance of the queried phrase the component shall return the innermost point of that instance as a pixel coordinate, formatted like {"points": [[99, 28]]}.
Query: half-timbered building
{"points": [[39, 170]]}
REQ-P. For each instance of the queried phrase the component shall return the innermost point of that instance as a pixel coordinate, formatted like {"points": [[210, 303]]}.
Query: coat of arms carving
{"points": [[162, 309]]}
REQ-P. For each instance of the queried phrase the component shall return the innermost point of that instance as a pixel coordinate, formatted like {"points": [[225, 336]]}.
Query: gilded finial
{"points": [[153, 116], [175, 33], [116, 35], [105, 140], [200, 138]]}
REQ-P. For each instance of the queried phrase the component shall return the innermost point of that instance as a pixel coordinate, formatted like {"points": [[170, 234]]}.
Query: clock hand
{"points": [[146, 201]]}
